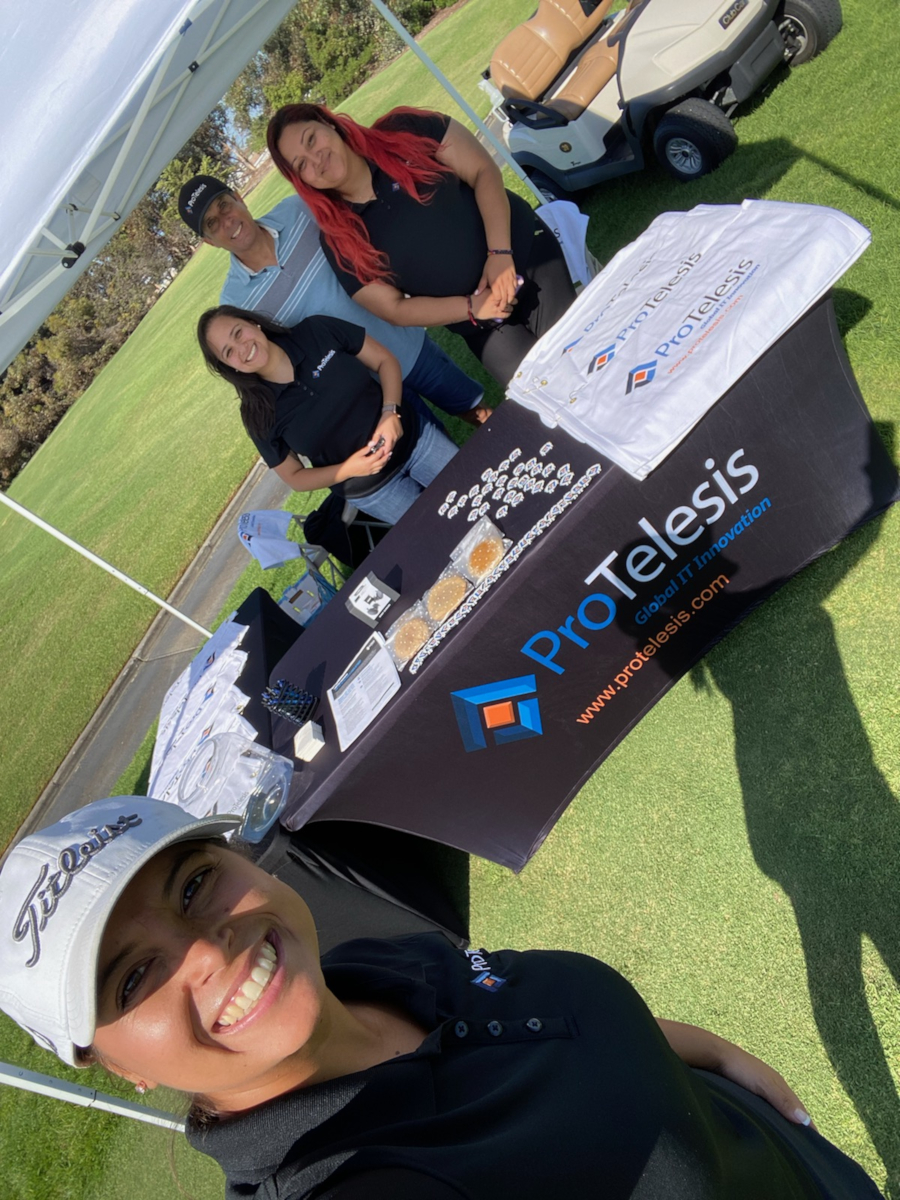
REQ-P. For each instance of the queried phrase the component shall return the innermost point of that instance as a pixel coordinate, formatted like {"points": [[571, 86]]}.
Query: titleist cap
{"points": [[195, 198], [58, 888]]}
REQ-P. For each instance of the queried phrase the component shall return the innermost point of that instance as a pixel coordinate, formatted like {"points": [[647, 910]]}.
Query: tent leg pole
{"points": [[445, 83], [94, 558], [73, 1093]]}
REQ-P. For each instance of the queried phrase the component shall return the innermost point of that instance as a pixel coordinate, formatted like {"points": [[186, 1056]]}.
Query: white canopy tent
{"points": [[100, 96], [104, 94]]}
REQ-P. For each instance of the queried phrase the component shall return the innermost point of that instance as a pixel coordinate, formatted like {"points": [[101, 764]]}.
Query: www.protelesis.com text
{"points": [[671, 628]]}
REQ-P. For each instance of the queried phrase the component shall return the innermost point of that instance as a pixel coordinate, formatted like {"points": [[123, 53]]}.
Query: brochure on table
{"points": [[363, 690]]}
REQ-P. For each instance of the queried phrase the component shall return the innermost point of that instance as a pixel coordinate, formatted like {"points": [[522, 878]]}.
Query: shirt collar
{"points": [[276, 228], [382, 184], [295, 351], [252, 1145]]}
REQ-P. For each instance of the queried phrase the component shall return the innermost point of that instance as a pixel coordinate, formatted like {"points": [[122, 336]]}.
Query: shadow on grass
{"points": [[821, 821]]}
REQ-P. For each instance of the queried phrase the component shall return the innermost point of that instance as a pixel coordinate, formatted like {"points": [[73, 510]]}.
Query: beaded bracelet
{"points": [[500, 252]]}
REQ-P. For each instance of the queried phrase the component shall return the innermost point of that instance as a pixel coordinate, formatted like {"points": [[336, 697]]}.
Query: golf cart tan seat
{"points": [[532, 56]]}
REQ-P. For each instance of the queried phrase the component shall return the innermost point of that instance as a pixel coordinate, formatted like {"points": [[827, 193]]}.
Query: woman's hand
{"points": [[486, 307], [364, 462], [699, 1048], [500, 276], [466, 157], [764, 1081], [390, 427]]}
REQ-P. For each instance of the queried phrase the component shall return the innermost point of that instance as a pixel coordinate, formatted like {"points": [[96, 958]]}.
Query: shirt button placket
{"points": [[494, 1028]]}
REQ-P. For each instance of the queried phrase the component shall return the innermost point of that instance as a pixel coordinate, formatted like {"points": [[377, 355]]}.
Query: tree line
{"points": [[321, 52]]}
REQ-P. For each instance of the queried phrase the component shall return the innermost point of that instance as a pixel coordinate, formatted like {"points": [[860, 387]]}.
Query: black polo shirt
{"points": [[544, 1076], [437, 248], [333, 405]]}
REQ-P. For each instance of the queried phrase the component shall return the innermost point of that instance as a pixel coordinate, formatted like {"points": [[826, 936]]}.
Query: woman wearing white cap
{"points": [[404, 1069]]}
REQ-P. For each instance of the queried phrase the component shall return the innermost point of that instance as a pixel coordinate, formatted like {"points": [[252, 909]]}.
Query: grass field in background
{"points": [[736, 856]]}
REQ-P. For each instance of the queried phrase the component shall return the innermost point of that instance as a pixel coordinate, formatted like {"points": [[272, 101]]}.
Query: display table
{"points": [[621, 590], [358, 882]]}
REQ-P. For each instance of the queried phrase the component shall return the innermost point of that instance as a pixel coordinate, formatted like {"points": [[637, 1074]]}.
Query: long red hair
{"points": [[405, 157]]}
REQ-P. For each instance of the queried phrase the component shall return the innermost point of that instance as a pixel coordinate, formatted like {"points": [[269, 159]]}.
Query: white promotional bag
{"points": [[569, 226], [264, 534]]}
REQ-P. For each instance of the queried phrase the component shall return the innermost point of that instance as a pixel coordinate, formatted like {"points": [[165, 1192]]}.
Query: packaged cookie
{"points": [[409, 633], [480, 550], [446, 594]]}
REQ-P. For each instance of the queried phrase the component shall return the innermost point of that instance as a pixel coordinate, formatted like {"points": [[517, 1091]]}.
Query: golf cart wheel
{"points": [[693, 138], [549, 190], [807, 26]]}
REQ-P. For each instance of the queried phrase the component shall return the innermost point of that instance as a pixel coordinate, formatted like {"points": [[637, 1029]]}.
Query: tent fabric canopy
{"points": [[105, 93]]}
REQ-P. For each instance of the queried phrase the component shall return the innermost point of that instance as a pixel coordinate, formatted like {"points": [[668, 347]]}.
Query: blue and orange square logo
{"points": [[489, 981], [602, 358], [640, 376], [507, 711]]}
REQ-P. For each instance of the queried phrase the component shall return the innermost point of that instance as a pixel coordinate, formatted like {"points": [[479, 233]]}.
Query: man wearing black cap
{"points": [[278, 269]]}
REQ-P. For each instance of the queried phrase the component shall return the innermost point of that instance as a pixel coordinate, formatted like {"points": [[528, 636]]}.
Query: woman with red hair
{"points": [[420, 230]]}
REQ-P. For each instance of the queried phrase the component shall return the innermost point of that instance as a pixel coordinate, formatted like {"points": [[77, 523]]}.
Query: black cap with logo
{"points": [[195, 198]]}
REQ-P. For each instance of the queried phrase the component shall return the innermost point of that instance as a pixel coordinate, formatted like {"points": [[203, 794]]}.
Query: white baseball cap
{"points": [[58, 888]]}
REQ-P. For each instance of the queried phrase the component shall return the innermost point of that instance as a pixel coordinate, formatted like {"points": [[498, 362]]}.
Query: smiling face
{"points": [[317, 154], [209, 979], [239, 344], [228, 225]]}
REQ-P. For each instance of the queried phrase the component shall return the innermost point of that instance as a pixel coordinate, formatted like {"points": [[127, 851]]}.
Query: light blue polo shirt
{"points": [[303, 284]]}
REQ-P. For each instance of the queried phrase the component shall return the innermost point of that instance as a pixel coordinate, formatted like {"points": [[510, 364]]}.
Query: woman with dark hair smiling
{"points": [[397, 1069], [420, 230], [309, 392]]}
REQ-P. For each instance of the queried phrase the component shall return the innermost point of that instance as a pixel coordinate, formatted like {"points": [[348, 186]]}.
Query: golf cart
{"points": [[580, 95]]}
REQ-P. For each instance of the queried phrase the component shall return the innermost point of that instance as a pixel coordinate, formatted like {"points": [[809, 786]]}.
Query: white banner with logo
{"points": [[677, 317]]}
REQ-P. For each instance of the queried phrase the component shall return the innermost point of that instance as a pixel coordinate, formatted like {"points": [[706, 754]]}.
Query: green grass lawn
{"points": [[736, 856]]}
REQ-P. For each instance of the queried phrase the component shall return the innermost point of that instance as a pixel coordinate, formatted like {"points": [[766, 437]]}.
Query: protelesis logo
{"points": [[508, 710], [640, 376], [601, 359]]}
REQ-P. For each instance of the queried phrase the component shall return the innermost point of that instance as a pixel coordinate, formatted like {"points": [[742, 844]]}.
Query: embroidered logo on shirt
{"points": [[485, 978], [489, 982], [323, 364]]}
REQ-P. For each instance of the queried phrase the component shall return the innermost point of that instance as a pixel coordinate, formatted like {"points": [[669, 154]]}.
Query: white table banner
{"points": [[677, 317]]}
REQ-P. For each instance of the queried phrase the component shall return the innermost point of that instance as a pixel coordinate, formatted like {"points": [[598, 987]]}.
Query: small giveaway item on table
{"points": [[308, 741], [306, 598], [446, 594], [480, 550], [409, 633], [229, 773], [285, 699], [301, 600], [370, 600]]}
